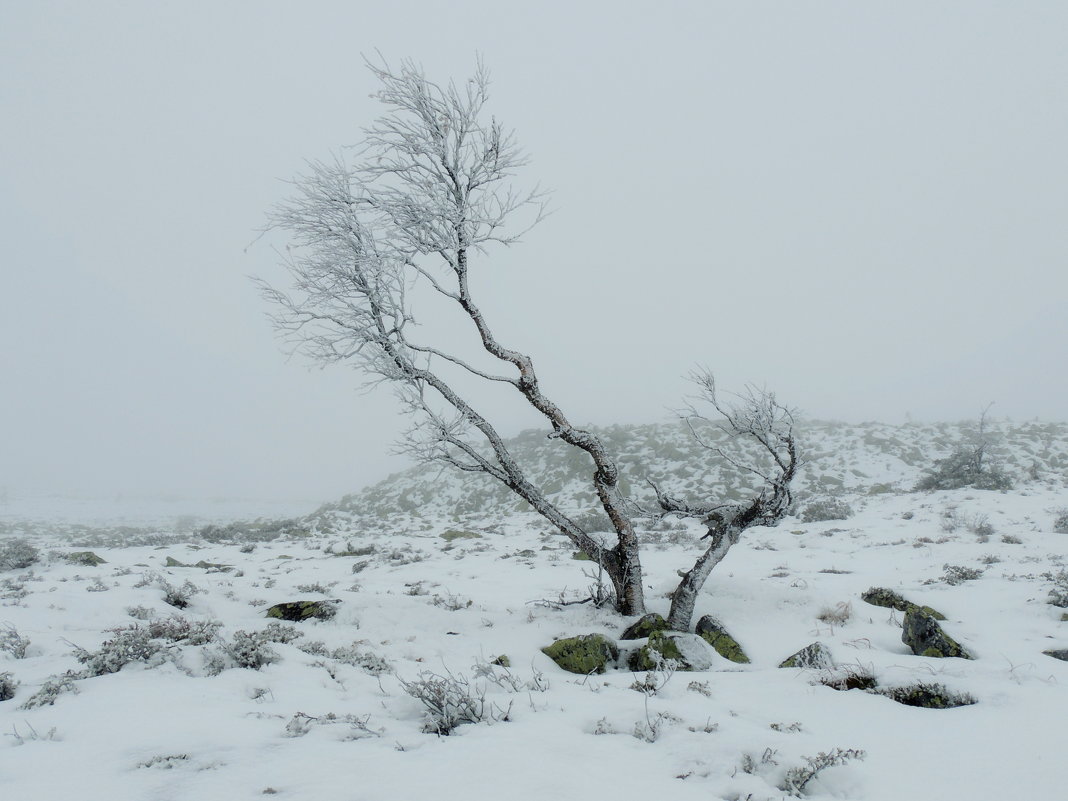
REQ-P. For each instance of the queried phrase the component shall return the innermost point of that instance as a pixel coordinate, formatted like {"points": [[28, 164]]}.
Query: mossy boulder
{"points": [[713, 632], [86, 558], [812, 657], [925, 637], [1058, 653], [881, 596], [297, 611], [644, 627], [687, 651], [585, 654], [581, 556]]}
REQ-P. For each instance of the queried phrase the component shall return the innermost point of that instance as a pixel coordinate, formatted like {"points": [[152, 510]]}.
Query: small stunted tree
{"points": [[970, 464], [426, 198], [758, 417]]}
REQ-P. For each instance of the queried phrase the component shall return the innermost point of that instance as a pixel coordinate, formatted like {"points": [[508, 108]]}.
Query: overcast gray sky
{"points": [[860, 205]]}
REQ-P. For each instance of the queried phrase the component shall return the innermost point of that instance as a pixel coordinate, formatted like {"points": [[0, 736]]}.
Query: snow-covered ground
{"points": [[187, 724]]}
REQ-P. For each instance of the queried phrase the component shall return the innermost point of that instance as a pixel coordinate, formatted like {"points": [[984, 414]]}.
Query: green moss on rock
{"points": [[925, 637], [881, 596], [644, 627], [298, 611], [713, 632], [660, 647], [585, 654]]}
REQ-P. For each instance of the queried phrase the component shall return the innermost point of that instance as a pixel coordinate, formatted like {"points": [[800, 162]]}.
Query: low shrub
{"points": [[823, 509], [17, 554]]}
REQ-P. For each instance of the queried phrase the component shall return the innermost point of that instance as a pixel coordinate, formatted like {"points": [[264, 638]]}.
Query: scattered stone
{"points": [[927, 696], [86, 558], [585, 654], [298, 611], [502, 661], [1059, 653], [644, 627], [880, 596], [713, 632], [925, 637], [581, 556], [812, 657]]}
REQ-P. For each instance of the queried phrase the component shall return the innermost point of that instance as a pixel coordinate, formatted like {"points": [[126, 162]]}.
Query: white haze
{"points": [[859, 205]]}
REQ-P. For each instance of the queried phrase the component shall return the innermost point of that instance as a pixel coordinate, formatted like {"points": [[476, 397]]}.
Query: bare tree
{"points": [[427, 195], [755, 416]]}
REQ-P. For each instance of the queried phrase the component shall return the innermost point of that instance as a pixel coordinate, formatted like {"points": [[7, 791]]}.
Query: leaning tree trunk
{"points": [[684, 599]]}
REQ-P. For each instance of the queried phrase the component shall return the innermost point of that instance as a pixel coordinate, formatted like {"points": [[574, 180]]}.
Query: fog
{"points": [[860, 206]]}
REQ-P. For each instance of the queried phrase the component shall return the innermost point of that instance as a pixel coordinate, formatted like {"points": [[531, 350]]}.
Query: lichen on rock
{"points": [[881, 596], [714, 633], [644, 626], [686, 652], [298, 611], [585, 654], [925, 637], [812, 657]]}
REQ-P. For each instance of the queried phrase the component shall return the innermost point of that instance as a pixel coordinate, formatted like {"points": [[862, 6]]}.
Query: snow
{"points": [[173, 731]]}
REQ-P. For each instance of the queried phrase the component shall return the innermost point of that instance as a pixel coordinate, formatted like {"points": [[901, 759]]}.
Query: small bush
{"points": [[796, 779], [964, 468], [1058, 595], [133, 644], [958, 574], [365, 660], [838, 615], [178, 597], [17, 554], [52, 688], [7, 686], [177, 629], [823, 509], [450, 701], [13, 643], [1060, 523], [250, 650]]}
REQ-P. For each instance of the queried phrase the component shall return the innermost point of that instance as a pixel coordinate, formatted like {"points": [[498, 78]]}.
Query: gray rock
{"points": [[812, 657], [925, 637], [1061, 654]]}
